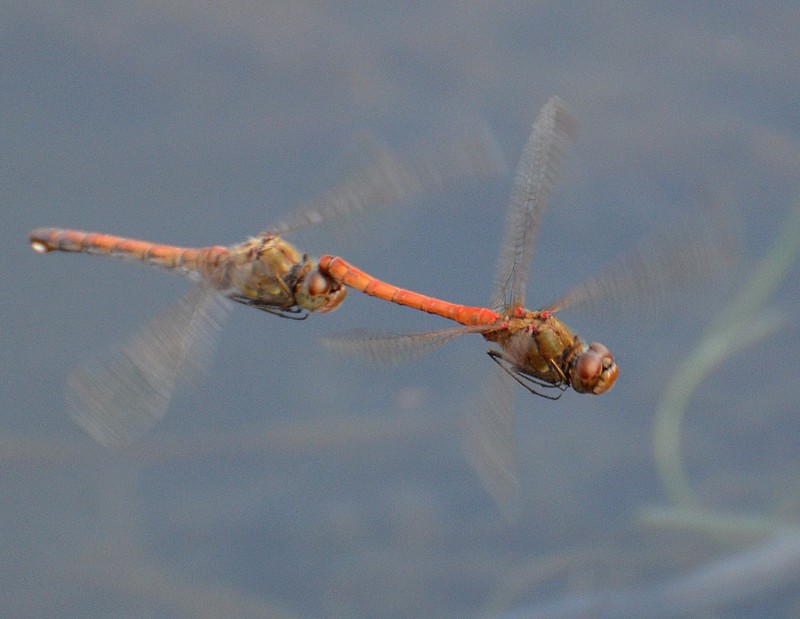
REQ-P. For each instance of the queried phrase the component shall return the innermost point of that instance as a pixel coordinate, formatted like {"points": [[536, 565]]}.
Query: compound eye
{"points": [[595, 370], [589, 367], [317, 284]]}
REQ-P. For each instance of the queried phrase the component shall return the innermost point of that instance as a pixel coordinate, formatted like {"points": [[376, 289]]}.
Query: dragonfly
{"points": [[534, 347], [119, 396]]}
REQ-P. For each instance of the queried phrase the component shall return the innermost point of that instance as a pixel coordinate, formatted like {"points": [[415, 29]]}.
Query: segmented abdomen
{"points": [[206, 261], [349, 275]]}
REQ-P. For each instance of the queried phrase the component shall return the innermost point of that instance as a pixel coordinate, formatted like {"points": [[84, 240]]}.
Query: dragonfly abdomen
{"points": [[187, 260], [351, 276]]}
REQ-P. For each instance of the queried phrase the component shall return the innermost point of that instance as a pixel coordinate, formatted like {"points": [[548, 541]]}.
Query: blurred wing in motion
{"points": [[649, 278], [469, 151], [538, 171], [392, 178], [385, 181], [386, 349], [488, 441], [488, 436], [119, 396]]}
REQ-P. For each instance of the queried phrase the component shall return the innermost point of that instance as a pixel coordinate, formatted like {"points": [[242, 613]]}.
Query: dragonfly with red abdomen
{"points": [[264, 272], [537, 349], [534, 347], [122, 395]]}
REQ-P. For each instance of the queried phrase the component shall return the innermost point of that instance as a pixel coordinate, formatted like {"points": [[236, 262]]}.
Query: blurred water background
{"points": [[297, 483]]}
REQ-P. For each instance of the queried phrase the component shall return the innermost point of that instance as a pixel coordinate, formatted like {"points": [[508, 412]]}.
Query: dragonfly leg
{"points": [[558, 370], [525, 379], [284, 286], [292, 313]]}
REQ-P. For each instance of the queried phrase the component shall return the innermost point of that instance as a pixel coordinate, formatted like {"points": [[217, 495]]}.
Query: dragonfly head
{"points": [[593, 370], [318, 292]]}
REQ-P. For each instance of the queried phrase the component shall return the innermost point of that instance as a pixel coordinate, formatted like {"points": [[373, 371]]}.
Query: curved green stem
{"points": [[741, 324]]}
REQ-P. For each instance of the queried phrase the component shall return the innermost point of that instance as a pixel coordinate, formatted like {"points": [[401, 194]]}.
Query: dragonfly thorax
{"points": [[269, 273], [259, 270], [539, 346]]}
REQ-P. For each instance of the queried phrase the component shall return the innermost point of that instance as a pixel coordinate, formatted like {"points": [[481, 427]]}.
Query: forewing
{"points": [[538, 171], [120, 395], [651, 277], [391, 349], [391, 178]]}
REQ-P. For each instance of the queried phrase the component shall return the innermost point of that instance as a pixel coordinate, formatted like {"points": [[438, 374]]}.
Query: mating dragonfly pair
{"points": [[124, 395]]}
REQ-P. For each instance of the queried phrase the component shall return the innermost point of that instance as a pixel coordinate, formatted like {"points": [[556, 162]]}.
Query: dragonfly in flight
{"points": [[534, 347], [119, 396]]}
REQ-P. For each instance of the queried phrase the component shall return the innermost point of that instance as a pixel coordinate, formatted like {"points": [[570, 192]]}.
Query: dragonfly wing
{"points": [[119, 396], [392, 178], [488, 442], [388, 349], [647, 279], [538, 171], [386, 180]]}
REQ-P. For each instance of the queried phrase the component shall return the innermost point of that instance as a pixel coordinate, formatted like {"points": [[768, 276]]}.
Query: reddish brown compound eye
{"points": [[588, 367], [317, 284], [594, 371], [318, 292]]}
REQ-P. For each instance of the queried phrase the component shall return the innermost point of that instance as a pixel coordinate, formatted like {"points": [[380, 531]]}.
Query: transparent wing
{"points": [[388, 349], [488, 443], [488, 436], [538, 171], [649, 278], [393, 178], [119, 396]]}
